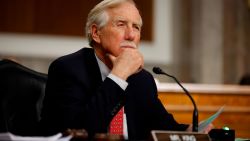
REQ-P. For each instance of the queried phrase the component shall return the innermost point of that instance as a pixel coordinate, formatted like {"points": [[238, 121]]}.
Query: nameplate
{"points": [[158, 135]]}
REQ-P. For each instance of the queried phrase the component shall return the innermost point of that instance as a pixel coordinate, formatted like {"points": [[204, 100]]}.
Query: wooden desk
{"points": [[209, 98]]}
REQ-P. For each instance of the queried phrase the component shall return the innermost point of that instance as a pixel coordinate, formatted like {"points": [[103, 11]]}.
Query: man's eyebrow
{"points": [[119, 19], [122, 19]]}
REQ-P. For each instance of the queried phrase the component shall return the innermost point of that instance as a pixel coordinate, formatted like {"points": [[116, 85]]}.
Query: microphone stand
{"points": [[195, 112]]}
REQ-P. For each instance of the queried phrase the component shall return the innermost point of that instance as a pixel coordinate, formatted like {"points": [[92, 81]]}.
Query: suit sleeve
{"points": [[156, 116]]}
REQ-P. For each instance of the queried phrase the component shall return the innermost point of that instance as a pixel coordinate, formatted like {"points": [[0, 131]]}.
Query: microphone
{"points": [[158, 70]]}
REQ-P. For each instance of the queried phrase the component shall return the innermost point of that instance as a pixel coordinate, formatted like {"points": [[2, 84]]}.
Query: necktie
{"points": [[116, 125]]}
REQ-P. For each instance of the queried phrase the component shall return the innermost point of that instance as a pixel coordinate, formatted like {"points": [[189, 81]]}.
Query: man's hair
{"points": [[99, 16]]}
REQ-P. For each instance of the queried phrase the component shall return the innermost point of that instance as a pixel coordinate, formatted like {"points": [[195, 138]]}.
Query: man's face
{"points": [[123, 29]]}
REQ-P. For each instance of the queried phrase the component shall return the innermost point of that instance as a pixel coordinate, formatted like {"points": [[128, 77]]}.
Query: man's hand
{"points": [[206, 130], [130, 61]]}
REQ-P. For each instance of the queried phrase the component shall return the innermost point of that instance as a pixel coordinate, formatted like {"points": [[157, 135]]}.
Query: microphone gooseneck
{"points": [[158, 70]]}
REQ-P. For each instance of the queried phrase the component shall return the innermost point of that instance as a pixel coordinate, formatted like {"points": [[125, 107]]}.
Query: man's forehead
{"points": [[118, 18]]}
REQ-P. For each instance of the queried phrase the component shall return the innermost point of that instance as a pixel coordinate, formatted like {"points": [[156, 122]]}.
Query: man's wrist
{"points": [[119, 81], [120, 75]]}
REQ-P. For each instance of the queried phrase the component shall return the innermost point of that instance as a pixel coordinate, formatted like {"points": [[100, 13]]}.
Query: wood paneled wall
{"points": [[58, 17], [213, 35], [236, 43]]}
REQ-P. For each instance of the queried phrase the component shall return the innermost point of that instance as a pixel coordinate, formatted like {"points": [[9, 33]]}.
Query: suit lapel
{"points": [[93, 71]]}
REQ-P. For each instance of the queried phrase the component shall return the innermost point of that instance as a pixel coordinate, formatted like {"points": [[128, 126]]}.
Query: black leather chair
{"points": [[245, 80], [21, 95]]}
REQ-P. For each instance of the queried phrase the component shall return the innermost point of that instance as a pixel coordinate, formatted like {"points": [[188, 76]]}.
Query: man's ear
{"points": [[95, 33]]}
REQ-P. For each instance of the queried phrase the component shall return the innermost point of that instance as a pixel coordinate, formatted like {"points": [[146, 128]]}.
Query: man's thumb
{"points": [[111, 57]]}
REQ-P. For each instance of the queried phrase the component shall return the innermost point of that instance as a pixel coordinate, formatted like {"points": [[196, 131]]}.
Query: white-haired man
{"points": [[88, 88]]}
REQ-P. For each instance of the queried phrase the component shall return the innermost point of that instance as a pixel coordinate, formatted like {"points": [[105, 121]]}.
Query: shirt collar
{"points": [[103, 68]]}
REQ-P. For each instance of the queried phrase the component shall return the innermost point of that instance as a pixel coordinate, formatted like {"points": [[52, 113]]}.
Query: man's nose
{"points": [[130, 34]]}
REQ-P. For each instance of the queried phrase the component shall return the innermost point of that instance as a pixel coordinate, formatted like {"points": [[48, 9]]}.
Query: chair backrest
{"points": [[245, 80], [21, 95]]}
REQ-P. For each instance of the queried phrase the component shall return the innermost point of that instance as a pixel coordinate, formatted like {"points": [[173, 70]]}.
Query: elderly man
{"points": [[88, 88]]}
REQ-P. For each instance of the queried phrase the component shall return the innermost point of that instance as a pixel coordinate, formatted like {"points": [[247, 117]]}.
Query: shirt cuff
{"points": [[122, 83]]}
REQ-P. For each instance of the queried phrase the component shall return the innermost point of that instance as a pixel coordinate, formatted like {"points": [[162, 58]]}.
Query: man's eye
{"points": [[120, 24], [138, 28]]}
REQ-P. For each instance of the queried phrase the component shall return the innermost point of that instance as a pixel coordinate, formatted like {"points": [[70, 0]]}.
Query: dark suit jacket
{"points": [[76, 97]]}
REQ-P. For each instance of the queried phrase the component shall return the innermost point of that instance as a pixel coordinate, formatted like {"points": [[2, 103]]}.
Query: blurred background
{"points": [[198, 41]]}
